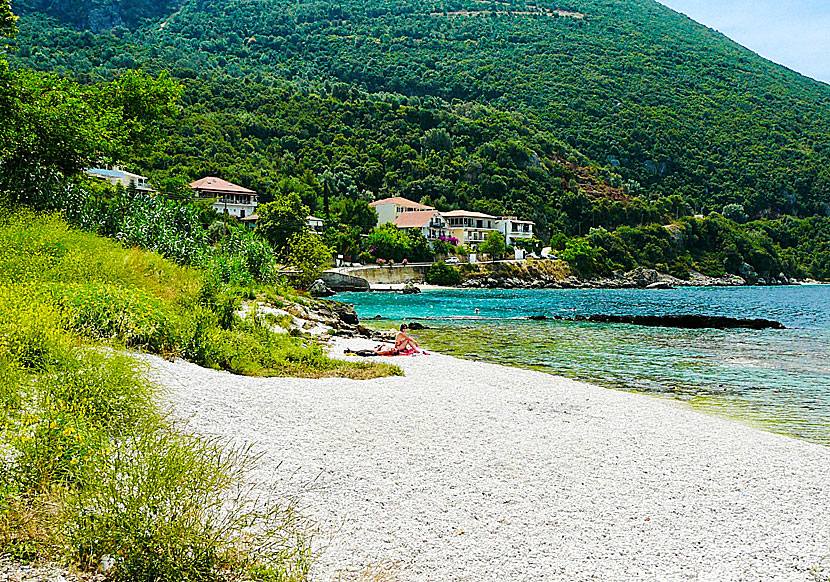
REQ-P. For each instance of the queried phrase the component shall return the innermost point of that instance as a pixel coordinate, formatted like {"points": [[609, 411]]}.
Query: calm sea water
{"points": [[778, 379]]}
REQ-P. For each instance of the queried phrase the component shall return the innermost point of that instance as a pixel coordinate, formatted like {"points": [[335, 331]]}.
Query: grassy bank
{"points": [[90, 471]]}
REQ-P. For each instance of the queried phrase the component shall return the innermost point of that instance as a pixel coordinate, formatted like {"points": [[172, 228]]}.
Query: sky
{"points": [[793, 33]]}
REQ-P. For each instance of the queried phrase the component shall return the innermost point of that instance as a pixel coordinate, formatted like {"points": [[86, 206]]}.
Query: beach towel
{"points": [[372, 353]]}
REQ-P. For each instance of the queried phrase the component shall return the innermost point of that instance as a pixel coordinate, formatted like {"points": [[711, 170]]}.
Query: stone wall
{"points": [[389, 275]]}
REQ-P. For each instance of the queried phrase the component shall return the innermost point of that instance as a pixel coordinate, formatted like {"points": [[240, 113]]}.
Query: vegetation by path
{"points": [[89, 468]]}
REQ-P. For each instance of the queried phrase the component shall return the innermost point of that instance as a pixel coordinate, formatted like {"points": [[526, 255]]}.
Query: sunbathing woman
{"points": [[403, 343]]}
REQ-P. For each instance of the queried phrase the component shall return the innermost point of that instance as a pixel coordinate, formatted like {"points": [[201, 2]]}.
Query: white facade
{"points": [[233, 208], [315, 224], [514, 229], [229, 198], [117, 176], [470, 228], [435, 228]]}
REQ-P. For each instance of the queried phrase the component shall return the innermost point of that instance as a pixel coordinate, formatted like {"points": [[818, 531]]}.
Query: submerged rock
{"points": [[687, 321]]}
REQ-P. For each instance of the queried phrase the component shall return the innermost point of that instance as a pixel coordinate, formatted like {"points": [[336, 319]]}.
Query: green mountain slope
{"points": [[97, 15], [666, 102]]}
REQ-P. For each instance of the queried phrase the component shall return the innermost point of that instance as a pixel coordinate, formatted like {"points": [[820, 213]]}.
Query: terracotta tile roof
{"points": [[401, 202], [213, 184], [414, 219], [466, 213]]}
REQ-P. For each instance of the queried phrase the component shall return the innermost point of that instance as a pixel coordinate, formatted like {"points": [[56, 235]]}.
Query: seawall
{"points": [[377, 275]]}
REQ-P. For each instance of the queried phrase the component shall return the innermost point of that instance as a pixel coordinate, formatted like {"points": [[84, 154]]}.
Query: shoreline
{"points": [[464, 470]]}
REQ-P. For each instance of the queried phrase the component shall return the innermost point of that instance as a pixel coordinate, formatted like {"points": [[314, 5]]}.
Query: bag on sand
{"points": [[361, 353]]}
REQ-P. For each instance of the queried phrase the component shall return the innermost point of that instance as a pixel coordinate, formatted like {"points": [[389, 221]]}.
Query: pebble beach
{"points": [[463, 470]]}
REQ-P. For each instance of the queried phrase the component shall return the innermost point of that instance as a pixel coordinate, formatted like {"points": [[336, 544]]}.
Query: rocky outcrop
{"points": [[679, 321], [639, 278], [344, 282], [320, 289], [410, 289]]}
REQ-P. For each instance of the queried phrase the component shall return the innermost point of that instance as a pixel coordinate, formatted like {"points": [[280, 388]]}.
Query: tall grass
{"points": [[89, 468], [137, 299]]}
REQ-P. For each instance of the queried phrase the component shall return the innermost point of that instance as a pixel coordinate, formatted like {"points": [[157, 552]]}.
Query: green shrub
{"points": [[133, 317], [166, 506], [441, 273]]}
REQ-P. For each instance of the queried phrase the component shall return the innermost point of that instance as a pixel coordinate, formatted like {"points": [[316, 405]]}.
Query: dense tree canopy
{"points": [[613, 124], [670, 105]]}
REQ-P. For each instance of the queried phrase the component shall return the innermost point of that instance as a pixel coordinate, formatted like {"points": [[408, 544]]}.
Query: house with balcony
{"points": [[514, 229], [389, 209], [430, 224], [314, 224], [228, 198], [470, 228], [117, 176]]}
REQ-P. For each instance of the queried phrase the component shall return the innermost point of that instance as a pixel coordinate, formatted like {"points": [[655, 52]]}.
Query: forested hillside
{"points": [[364, 146], [607, 123], [670, 105], [97, 15]]}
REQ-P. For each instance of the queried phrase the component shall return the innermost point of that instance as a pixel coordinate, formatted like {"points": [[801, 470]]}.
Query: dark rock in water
{"points": [[580, 318], [410, 289], [538, 317], [378, 317], [416, 325], [320, 289], [687, 321]]}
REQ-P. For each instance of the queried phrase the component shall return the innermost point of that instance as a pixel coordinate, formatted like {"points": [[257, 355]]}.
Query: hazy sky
{"points": [[794, 33]]}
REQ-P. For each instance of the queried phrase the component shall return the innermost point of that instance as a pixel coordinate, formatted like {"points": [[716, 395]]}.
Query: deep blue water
{"points": [[779, 379]]}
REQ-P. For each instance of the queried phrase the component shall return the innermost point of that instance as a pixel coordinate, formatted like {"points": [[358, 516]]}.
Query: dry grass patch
{"points": [[385, 571]]}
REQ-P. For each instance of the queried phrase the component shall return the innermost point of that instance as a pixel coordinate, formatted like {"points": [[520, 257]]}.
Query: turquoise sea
{"points": [[778, 379]]}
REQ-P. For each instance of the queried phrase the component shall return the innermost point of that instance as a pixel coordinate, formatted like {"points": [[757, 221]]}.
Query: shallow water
{"points": [[778, 379]]}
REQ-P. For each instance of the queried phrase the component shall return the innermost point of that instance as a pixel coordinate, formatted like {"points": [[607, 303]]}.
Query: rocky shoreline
{"points": [[640, 278]]}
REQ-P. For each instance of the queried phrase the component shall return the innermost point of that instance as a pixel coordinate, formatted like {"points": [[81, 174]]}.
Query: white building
{"points": [[470, 228], [431, 224], [513, 229], [117, 176], [389, 209], [315, 224], [230, 198]]}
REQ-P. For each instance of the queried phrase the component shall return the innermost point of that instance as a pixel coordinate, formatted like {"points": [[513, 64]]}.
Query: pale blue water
{"points": [[779, 379]]}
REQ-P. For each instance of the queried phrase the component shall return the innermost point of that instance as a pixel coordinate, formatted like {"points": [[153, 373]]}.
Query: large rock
{"points": [[320, 289], [410, 289], [345, 313]]}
